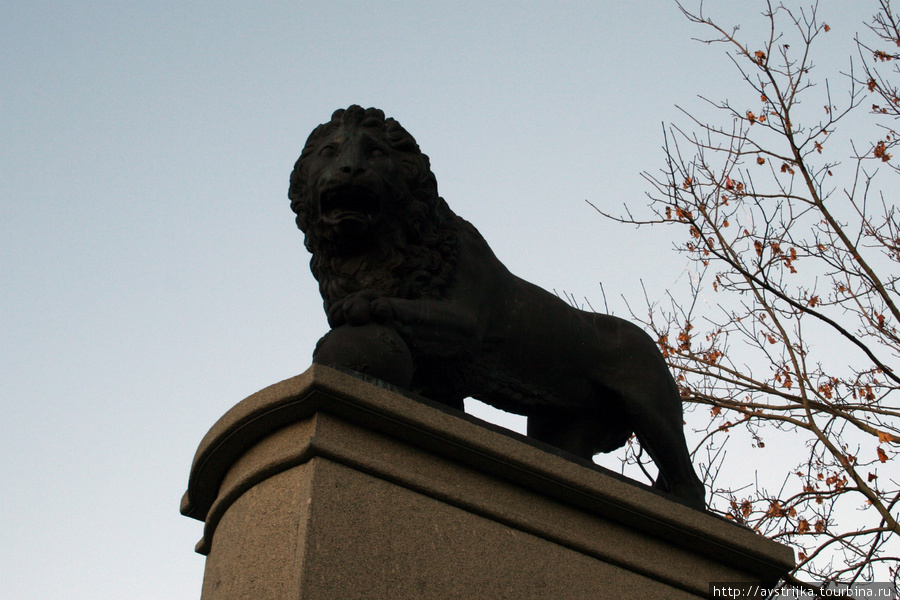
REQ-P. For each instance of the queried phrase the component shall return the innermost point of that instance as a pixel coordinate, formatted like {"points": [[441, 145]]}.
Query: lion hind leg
{"points": [[658, 425], [638, 382]]}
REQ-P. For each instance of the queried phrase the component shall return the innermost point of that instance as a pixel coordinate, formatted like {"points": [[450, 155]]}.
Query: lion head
{"points": [[366, 198]]}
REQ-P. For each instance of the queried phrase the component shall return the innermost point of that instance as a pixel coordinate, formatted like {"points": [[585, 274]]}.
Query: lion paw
{"points": [[361, 308]]}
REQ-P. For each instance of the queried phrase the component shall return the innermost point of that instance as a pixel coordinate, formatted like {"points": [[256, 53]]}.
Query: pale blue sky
{"points": [[152, 273]]}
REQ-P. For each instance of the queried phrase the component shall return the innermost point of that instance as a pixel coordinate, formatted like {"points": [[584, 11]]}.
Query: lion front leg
{"points": [[430, 327], [355, 309], [385, 337]]}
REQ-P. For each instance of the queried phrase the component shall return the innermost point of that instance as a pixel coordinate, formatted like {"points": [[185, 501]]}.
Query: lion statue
{"points": [[415, 297]]}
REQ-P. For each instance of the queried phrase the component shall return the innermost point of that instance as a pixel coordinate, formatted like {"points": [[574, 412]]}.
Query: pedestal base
{"points": [[325, 486]]}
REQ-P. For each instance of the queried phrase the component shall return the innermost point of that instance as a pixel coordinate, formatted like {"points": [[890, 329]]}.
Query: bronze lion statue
{"points": [[415, 297]]}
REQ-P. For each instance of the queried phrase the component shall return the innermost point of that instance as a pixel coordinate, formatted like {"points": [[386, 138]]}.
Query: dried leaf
{"points": [[775, 509]]}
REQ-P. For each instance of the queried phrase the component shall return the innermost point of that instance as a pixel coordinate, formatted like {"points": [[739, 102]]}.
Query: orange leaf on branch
{"points": [[880, 151]]}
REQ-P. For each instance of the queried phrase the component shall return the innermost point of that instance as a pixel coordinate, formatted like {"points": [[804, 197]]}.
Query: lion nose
{"points": [[351, 162]]}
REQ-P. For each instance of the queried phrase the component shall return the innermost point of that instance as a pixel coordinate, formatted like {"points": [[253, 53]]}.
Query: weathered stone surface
{"points": [[326, 486]]}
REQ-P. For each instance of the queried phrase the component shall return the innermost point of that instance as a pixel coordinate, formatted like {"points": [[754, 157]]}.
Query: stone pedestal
{"points": [[328, 487]]}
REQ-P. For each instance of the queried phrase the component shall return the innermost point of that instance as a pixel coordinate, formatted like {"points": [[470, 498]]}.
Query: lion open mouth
{"points": [[349, 203]]}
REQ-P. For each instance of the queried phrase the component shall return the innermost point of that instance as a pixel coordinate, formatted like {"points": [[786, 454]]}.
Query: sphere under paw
{"points": [[373, 349]]}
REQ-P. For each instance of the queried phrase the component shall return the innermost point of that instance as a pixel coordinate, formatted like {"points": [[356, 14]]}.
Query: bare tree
{"points": [[788, 212]]}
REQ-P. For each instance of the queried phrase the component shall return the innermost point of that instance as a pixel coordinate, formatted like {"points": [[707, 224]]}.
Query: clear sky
{"points": [[152, 275]]}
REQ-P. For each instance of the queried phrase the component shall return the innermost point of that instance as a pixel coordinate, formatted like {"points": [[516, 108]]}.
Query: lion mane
{"points": [[421, 250]]}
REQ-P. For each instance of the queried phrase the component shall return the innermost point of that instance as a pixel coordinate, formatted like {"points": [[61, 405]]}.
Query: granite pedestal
{"points": [[326, 486]]}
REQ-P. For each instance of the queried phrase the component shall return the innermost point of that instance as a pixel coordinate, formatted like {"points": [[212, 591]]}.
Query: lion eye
{"points": [[328, 151], [376, 152]]}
